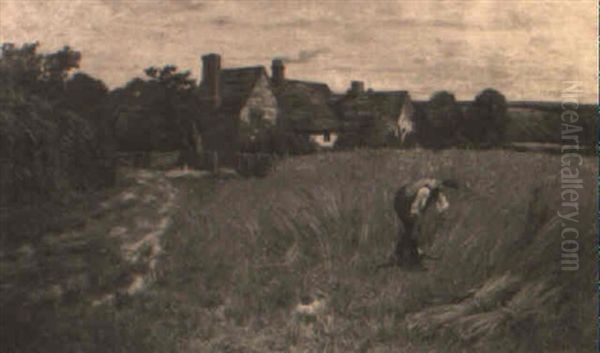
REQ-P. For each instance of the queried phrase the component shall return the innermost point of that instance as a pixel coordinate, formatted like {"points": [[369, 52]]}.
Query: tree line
{"points": [[442, 122], [60, 131]]}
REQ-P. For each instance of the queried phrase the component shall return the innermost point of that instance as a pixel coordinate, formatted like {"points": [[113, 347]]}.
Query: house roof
{"points": [[235, 86], [389, 103], [372, 104], [305, 106]]}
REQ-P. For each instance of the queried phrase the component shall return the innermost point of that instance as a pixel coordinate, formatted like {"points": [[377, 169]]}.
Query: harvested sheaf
{"points": [[502, 301]]}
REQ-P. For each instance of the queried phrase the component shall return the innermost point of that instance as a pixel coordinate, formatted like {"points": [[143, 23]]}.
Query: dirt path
{"points": [[111, 251], [144, 213]]}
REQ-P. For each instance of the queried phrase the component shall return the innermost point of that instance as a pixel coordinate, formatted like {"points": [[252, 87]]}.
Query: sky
{"points": [[526, 49]]}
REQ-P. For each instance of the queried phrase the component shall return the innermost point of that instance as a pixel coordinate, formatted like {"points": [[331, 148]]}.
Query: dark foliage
{"points": [[486, 119], [438, 124], [54, 148], [372, 131], [279, 141], [52, 145], [85, 95], [160, 113], [268, 144]]}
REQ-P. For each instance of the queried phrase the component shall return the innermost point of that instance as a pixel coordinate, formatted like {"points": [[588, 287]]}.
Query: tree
{"points": [[83, 93], [56, 66], [49, 147], [175, 82], [159, 113], [440, 121], [26, 70], [180, 106], [486, 118]]}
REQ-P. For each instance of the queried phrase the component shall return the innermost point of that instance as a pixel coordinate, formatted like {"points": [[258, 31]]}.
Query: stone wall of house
{"points": [[261, 104]]}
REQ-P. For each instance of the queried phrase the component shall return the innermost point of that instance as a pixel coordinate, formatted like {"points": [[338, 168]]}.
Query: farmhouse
{"points": [[377, 117], [236, 104], [304, 107], [239, 103]]}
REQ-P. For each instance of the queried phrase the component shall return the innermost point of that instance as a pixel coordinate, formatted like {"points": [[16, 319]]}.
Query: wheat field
{"points": [[313, 231], [286, 263]]}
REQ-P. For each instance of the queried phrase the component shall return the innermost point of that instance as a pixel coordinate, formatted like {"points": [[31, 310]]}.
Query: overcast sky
{"points": [[526, 49]]}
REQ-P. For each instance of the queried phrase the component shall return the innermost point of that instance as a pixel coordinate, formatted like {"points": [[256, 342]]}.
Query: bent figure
{"points": [[410, 203]]}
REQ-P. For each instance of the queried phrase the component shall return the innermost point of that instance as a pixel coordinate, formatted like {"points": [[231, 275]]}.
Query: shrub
{"points": [[158, 114], [486, 119], [278, 141], [438, 124], [51, 143]]}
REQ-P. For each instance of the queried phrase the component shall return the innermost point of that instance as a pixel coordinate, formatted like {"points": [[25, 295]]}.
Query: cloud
{"points": [[190, 5], [502, 20], [221, 21], [447, 24], [295, 23], [342, 68], [304, 56], [436, 23], [125, 9], [301, 23], [514, 20], [539, 41]]}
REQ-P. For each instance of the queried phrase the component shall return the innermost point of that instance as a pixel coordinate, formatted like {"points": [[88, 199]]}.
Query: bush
{"points": [[486, 119], [52, 143], [439, 123], [277, 141], [375, 132], [47, 154], [158, 114]]}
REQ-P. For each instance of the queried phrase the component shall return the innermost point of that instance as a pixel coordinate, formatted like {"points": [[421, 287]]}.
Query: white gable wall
{"points": [[406, 123], [261, 99]]}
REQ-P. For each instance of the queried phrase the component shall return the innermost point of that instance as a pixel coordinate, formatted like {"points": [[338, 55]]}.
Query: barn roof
{"points": [[305, 106]]}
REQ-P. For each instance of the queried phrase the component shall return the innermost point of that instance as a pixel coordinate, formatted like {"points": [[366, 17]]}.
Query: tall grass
{"points": [[320, 224], [243, 254]]}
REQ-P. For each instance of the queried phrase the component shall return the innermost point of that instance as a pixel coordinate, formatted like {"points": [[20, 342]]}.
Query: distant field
{"points": [[242, 254], [540, 122], [543, 124]]}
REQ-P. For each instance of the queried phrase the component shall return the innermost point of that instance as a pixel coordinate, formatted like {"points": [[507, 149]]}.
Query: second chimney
{"points": [[211, 68], [277, 71], [357, 87]]}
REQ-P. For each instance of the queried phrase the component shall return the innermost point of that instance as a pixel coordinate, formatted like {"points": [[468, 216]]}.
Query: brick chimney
{"points": [[277, 71], [211, 67], [357, 87]]}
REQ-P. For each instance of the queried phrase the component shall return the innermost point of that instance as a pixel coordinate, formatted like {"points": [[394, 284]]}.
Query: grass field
{"points": [[242, 257], [319, 224]]}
